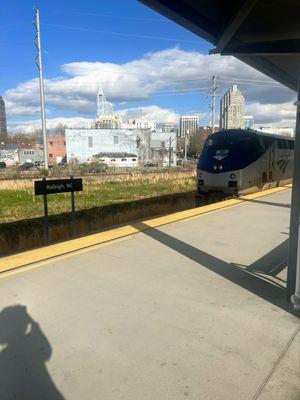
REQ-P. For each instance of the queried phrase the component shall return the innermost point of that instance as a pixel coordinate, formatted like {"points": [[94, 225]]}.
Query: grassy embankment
{"points": [[17, 199]]}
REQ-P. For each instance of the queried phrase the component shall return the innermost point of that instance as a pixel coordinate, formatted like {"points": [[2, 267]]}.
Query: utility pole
{"points": [[37, 42], [213, 106], [170, 151], [186, 138]]}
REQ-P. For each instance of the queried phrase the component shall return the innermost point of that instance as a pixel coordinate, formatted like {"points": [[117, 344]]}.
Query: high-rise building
{"points": [[112, 121], [232, 109], [248, 122], [168, 127], [3, 126], [105, 108], [188, 125], [106, 118]]}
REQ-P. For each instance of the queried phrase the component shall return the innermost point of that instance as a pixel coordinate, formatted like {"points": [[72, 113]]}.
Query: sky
{"points": [[145, 64]]}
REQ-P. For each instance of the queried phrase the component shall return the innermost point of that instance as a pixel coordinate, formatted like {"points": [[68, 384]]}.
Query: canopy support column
{"points": [[293, 278]]}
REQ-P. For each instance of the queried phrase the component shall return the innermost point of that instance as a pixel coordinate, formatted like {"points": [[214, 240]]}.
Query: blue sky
{"points": [[115, 32]]}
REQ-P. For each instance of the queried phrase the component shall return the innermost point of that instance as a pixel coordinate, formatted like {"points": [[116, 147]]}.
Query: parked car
{"points": [[26, 166], [2, 164], [63, 162], [151, 165], [38, 163]]}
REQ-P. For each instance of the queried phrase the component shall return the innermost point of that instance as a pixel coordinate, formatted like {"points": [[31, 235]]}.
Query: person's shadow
{"points": [[24, 350]]}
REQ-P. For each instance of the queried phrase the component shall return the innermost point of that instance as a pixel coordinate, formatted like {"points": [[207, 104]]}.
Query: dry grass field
{"points": [[17, 199]]}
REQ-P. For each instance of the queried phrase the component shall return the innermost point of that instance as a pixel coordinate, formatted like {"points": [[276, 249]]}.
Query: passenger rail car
{"points": [[240, 161]]}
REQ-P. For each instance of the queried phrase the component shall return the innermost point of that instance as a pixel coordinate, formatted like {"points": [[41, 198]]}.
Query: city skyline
{"points": [[107, 118], [141, 60]]}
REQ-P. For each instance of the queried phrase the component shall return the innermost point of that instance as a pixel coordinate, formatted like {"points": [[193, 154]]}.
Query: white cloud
{"points": [[171, 71], [156, 113], [152, 112], [272, 114], [31, 125]]}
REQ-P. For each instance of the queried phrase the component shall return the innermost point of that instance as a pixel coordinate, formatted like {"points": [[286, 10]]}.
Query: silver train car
{"points": [[240, 161]]}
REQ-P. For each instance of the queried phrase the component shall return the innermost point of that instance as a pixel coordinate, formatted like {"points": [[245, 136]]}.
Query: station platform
{"points": [[186, 306]]}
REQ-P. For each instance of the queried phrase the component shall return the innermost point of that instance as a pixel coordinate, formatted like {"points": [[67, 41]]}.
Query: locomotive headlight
{"points": [[220, 167], [215, 167], [232, 176]]}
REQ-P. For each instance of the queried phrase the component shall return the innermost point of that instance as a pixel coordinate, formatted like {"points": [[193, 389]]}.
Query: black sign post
{"points": [[52, 186], [46, 219], [73, 211]]}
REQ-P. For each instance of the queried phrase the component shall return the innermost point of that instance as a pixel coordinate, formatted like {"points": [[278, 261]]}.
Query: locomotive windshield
{"points": [[219, 141]]}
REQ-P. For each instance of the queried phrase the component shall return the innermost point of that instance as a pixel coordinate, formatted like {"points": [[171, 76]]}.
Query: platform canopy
{"points": [[263, 33]]}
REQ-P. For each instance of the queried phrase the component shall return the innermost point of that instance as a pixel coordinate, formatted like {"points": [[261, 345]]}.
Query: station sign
{"points": [[57, 186]]}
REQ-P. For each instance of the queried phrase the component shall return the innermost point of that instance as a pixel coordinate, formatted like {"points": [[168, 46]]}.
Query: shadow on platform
{"points": [[267, 203], [273, 262], [245, 277], [24, 350]]}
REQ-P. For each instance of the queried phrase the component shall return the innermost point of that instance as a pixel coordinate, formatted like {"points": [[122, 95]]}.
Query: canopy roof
{"points": [[264, 34]]}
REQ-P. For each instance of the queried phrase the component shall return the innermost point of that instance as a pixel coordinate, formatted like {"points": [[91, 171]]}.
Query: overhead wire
{"points": [[108, 16], [69, 27], [150, 79]]}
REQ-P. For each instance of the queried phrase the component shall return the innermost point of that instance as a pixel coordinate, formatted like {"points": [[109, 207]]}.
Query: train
{"points": [[241, 161]]}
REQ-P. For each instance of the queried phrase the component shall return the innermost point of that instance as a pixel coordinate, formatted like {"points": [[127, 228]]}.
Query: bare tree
{"points": [[197, 141], [60, 129]]}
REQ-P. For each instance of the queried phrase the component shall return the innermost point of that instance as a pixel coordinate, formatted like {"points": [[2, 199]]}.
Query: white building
{"points": [[10, 156], [232, 109], [30, 154], [282, 131], [248, 122], [83, 144], [117, 159], [188, 125], [164, 148], [140, 123]]}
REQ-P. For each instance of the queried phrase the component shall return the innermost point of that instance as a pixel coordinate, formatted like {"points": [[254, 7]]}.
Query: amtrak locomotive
{"points": [[240, 161]]}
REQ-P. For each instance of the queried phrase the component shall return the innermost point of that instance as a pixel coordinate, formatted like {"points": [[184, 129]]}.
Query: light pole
{"points": [[39, 64]]}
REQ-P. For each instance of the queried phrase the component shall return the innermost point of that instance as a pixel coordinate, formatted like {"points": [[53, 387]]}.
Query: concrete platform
{"points": [[192, 310]]}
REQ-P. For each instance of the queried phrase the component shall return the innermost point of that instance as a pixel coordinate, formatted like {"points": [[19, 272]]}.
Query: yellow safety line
{"points": [[57, 258], [65, 249]]}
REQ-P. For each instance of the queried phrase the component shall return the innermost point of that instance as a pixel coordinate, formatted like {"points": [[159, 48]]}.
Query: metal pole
{"points": [[213, 104], [46, 218], [186, 145], [170, 152], [73, 212], [42, 96], [293, 278]]}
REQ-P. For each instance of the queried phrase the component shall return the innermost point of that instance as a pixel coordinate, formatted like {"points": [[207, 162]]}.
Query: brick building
{"points": [[56, 145]]}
